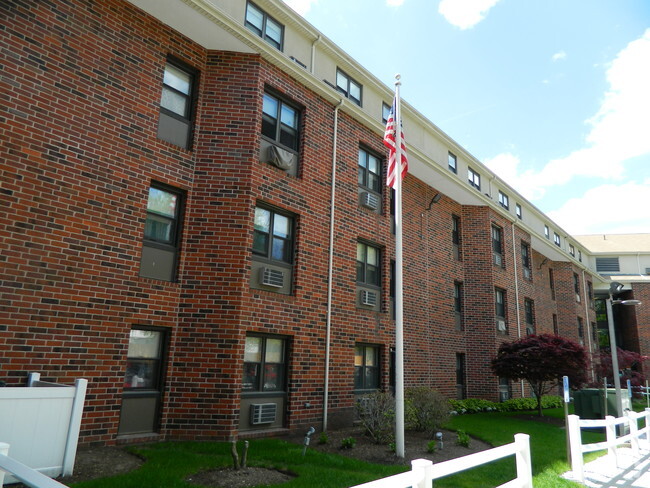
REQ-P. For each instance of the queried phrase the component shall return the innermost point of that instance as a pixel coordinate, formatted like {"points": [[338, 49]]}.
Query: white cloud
{"points": [[465, 13], [394, 3], [607, 209], [558, 56], [301, 6], [506, 167], [619, 130]]}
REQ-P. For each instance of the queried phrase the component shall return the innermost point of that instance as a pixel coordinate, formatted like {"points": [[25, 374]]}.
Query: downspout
{"points": [[514, 260], [330, 267], [588, 324], [313, 60]]}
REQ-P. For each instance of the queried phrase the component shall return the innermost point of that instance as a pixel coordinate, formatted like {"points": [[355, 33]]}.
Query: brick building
{"points": [[195, 220]]}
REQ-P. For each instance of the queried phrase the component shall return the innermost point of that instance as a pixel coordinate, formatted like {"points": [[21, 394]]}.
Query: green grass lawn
{"points": [[170, 463]]}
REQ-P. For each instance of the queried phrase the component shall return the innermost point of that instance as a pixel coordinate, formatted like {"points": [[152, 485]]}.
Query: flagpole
{"points": [[399, 314]]}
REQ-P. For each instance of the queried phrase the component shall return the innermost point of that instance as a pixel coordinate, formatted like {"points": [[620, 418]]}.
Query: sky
{"points": [[551, 95]]}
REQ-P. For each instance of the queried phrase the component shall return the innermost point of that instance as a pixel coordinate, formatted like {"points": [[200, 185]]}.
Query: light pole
{"points": [[615, 288]]}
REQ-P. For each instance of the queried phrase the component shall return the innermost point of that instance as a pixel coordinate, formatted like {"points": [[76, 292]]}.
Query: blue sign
{"points": [[565, 384]]}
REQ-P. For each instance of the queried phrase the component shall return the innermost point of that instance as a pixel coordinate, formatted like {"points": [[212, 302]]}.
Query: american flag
{"points": [[389, 142]]}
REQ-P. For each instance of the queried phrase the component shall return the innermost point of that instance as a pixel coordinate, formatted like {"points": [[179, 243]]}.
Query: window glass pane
{"points": [[372, 256], [253, 350], [140, 374], [274, 31], [371, 356], [281, 250], [273, 377], [158, 228], [274, 349], [361, 252], [372, 275], [144, 344], [177, 79], [363, 158], [251, 379], [255, 17], [262, 220], [372, 378], [373, 164], [360, 272], [270, 106], [342, 81], [289, 116], [358, 356], [174, 102], [260, 242], [289, 137], [162, 202], [374, 182], [281, 226], [355, 90]]}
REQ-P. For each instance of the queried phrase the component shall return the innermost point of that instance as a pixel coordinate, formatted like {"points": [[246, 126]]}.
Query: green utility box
{"points": [[589, 403]]}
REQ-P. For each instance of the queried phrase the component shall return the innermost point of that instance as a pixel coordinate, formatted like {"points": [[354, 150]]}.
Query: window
{"points": [[556, 329], [551, 282], [461, 391], [385, 112], [474, 178], [143, 381], [590, 294], [451, 161], [576, 286], [391, 291], [348, 87], [273, 241], [525, 260], [264, 364], [504, 201], [161, 243], [366, 367], [368, 277], [368, 265], [497, 246], [280, 122], [579, 255], [518, 211], [500, 310], [177, 105], [505, 392], [369, 171], [581, 332], [556, 239], [529, 314], [547, 232], [458, 305], [455, 236], [607, 265], [264, 26], [572, 250]]}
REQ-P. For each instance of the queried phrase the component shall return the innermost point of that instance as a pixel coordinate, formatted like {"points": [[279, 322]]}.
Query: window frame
{"points": [[268, 255], [500, 293], [518, 211], [346, 90], [547, 232], [376, 373], [556, 239], [458, 305], [364, 264], [526, 260], [385, 112], [529, 315], [366, 170], [497, 245], [263, 33], [173, 244], [260, 388], [452, 162], [282, 102], [504, 200], [190, 99], [474, 178], [456, 236]]}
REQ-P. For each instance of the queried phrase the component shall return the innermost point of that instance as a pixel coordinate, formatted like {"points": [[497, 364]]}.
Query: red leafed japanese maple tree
{"points": [[542, 360], [628, 364]]}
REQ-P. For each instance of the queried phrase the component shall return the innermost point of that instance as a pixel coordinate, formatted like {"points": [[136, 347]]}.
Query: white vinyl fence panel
{"points": [[41, 424]]}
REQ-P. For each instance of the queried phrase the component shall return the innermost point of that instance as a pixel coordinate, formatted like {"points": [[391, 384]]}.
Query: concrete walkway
{"points": [[632, 472]]}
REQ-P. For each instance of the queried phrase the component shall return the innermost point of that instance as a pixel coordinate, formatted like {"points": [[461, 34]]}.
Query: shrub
{"points": [[323, 438], [348, 443], [475, 405], [463, 439], [425, 409], [377, 414], [432, 446]]}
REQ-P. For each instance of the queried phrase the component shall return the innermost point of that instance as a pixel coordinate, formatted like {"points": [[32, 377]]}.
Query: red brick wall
{"points": [[80, 98]]}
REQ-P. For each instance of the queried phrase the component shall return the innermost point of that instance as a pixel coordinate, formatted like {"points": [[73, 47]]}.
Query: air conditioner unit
{"points": [[369, 200], [263, 413], [498, 259], [501, 325], [271, 277], [281, 158], [368, 298]]}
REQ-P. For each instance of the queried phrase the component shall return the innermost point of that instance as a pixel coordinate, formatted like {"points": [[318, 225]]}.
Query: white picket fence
{"points": [[27, 475], [41, 423], [629, 424], [424, 472]]}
